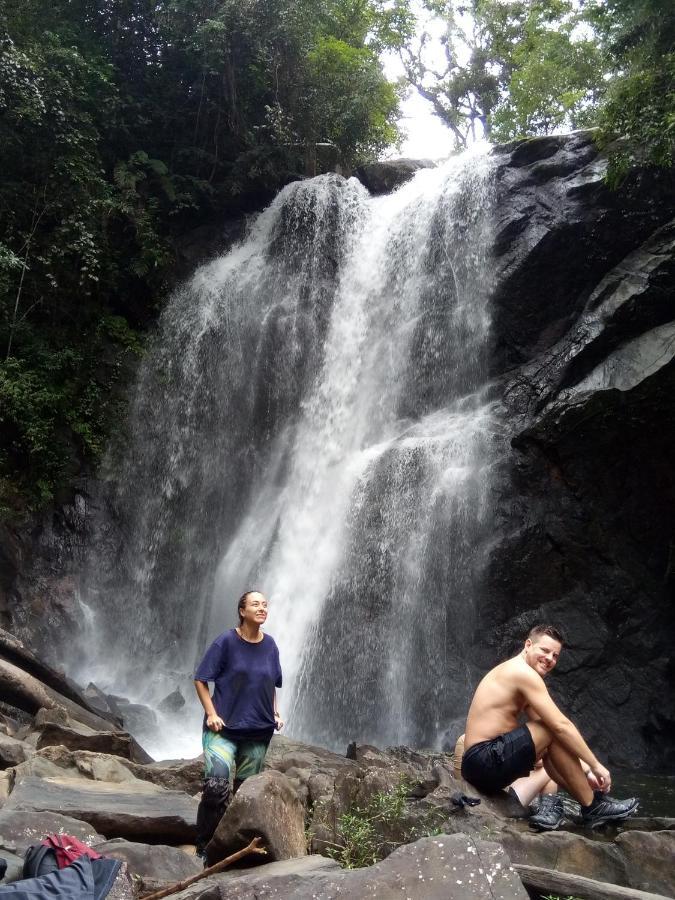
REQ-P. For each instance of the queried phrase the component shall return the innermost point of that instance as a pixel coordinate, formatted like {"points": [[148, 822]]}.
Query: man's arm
{"points": [[542, 706]]}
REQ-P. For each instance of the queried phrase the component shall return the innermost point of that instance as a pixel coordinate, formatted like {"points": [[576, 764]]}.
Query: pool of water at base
{"points": [[656, 792]]}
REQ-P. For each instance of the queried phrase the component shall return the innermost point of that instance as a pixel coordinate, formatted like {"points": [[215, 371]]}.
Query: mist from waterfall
{"points": [[313, 419]]}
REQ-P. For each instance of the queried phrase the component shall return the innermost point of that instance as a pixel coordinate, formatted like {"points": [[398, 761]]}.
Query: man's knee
{"points": [[542, 736]]}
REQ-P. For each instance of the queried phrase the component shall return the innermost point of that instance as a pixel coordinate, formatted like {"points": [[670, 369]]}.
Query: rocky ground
{"points": [[397, 814]]}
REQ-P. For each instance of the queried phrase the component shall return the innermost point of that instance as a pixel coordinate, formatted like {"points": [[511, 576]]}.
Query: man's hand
{"points": [[278, 722], [214, 722], [601, 776]]}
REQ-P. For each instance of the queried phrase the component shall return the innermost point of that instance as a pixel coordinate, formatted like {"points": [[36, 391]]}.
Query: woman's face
{"points": [[255, 609]]}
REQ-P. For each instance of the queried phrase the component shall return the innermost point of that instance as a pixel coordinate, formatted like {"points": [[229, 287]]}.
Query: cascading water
{"points": [[314, 420]]}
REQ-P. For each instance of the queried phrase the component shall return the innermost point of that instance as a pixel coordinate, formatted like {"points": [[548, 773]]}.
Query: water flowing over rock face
{"points": [[419, 422], [313, 419]]}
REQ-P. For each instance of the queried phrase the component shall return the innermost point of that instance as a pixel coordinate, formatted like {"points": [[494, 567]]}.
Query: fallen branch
{"points": [[565, 885], [212, 870]]}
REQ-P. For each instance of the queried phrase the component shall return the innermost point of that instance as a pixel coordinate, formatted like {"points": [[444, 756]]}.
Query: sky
{"points": [[427, 137]]}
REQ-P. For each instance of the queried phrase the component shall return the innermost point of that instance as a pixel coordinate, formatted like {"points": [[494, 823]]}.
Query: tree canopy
{"points": [[122, 124], [515, 68]]}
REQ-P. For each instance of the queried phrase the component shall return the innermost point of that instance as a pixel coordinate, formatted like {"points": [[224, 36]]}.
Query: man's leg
{"points": [[219, 755], [250, 759], [537, 782], [559, 760]]}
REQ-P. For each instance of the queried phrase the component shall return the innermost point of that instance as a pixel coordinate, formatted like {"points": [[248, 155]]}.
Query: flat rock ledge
{"points": [[446, 867]]}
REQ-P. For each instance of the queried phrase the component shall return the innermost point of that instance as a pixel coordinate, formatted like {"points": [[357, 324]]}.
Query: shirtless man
{"points": [[498, 750]]}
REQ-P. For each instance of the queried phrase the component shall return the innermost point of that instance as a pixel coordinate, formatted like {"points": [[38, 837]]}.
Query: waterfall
{"points": [[313, 419]]}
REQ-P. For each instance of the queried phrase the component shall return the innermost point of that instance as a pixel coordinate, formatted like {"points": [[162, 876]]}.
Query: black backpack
{"points": [[39, 860]]}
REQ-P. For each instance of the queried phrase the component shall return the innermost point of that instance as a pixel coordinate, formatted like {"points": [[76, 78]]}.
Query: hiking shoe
{"points": [[550, 814], [606, 809]]}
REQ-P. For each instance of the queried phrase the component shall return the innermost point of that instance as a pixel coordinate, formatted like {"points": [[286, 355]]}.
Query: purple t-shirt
{"points": [[244, 677]]}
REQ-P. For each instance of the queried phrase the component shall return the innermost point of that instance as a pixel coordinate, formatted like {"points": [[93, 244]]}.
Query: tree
{"points": [[510, 68], [122, 124], [639, 37]]}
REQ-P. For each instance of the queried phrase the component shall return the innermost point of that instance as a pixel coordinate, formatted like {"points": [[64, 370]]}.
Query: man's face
{"points": [[542, 653]]}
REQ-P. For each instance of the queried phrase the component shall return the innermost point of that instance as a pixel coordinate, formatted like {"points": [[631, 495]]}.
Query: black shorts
{"points": [[492, 765]]}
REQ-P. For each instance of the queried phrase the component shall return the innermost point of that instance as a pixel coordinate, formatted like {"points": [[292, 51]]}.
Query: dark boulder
{"points": [[385, 177]]}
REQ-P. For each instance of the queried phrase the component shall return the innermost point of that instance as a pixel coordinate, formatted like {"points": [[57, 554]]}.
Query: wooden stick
{"points": [[212, 870], [565, 885]]}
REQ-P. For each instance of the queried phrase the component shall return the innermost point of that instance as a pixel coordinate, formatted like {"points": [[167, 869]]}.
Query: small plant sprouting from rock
{"points": [[557, 897], [366, 834]]}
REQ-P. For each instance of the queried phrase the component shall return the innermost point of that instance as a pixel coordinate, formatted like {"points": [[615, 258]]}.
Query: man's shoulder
{"points": [[516, 671]]}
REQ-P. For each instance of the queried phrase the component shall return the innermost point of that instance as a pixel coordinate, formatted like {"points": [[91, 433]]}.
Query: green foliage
{"points": [[122, 125], [558, 897], [367, 834], [514, 69], [640, 104], [555, 75]]}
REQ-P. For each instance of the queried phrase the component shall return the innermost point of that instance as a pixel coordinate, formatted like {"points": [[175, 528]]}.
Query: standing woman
{"points": [[240, 718]]}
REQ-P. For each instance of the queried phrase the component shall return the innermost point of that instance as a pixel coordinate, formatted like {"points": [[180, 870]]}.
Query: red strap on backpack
{"points": [[67, 849]]}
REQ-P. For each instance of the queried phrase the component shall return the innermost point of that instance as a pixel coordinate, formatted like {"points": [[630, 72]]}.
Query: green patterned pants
{"points": [[225, 758]]}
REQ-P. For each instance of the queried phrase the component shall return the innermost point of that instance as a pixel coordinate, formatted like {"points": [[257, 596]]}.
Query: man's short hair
{"points": [[551, 631]]}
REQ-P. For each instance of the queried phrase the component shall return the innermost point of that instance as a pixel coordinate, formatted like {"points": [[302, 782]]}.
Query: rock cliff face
{"points": [[584, 498], [584, 337]]}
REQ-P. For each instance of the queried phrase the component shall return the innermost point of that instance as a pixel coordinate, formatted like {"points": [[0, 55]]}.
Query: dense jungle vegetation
{"points": [[125, 123]]}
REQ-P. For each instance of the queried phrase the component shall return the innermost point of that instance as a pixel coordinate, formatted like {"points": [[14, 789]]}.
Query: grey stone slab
{"points": [[137, 811]]}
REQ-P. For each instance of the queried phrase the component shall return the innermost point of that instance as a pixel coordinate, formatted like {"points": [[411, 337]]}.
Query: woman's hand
{"points": [[214, 722], [278, 721]]}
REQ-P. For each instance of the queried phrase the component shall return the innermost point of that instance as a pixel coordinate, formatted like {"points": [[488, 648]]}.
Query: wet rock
{"points": [[8, 725], [649, 860], [102, 702], [584, 499], [156, 861], [14, 651], [560, 229], [648, 823], [133, 811], [13, 752], [572, 853], [385, 177], [173, 702], [115, 743], [21, 828], [266, 805], [137, 717]]}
